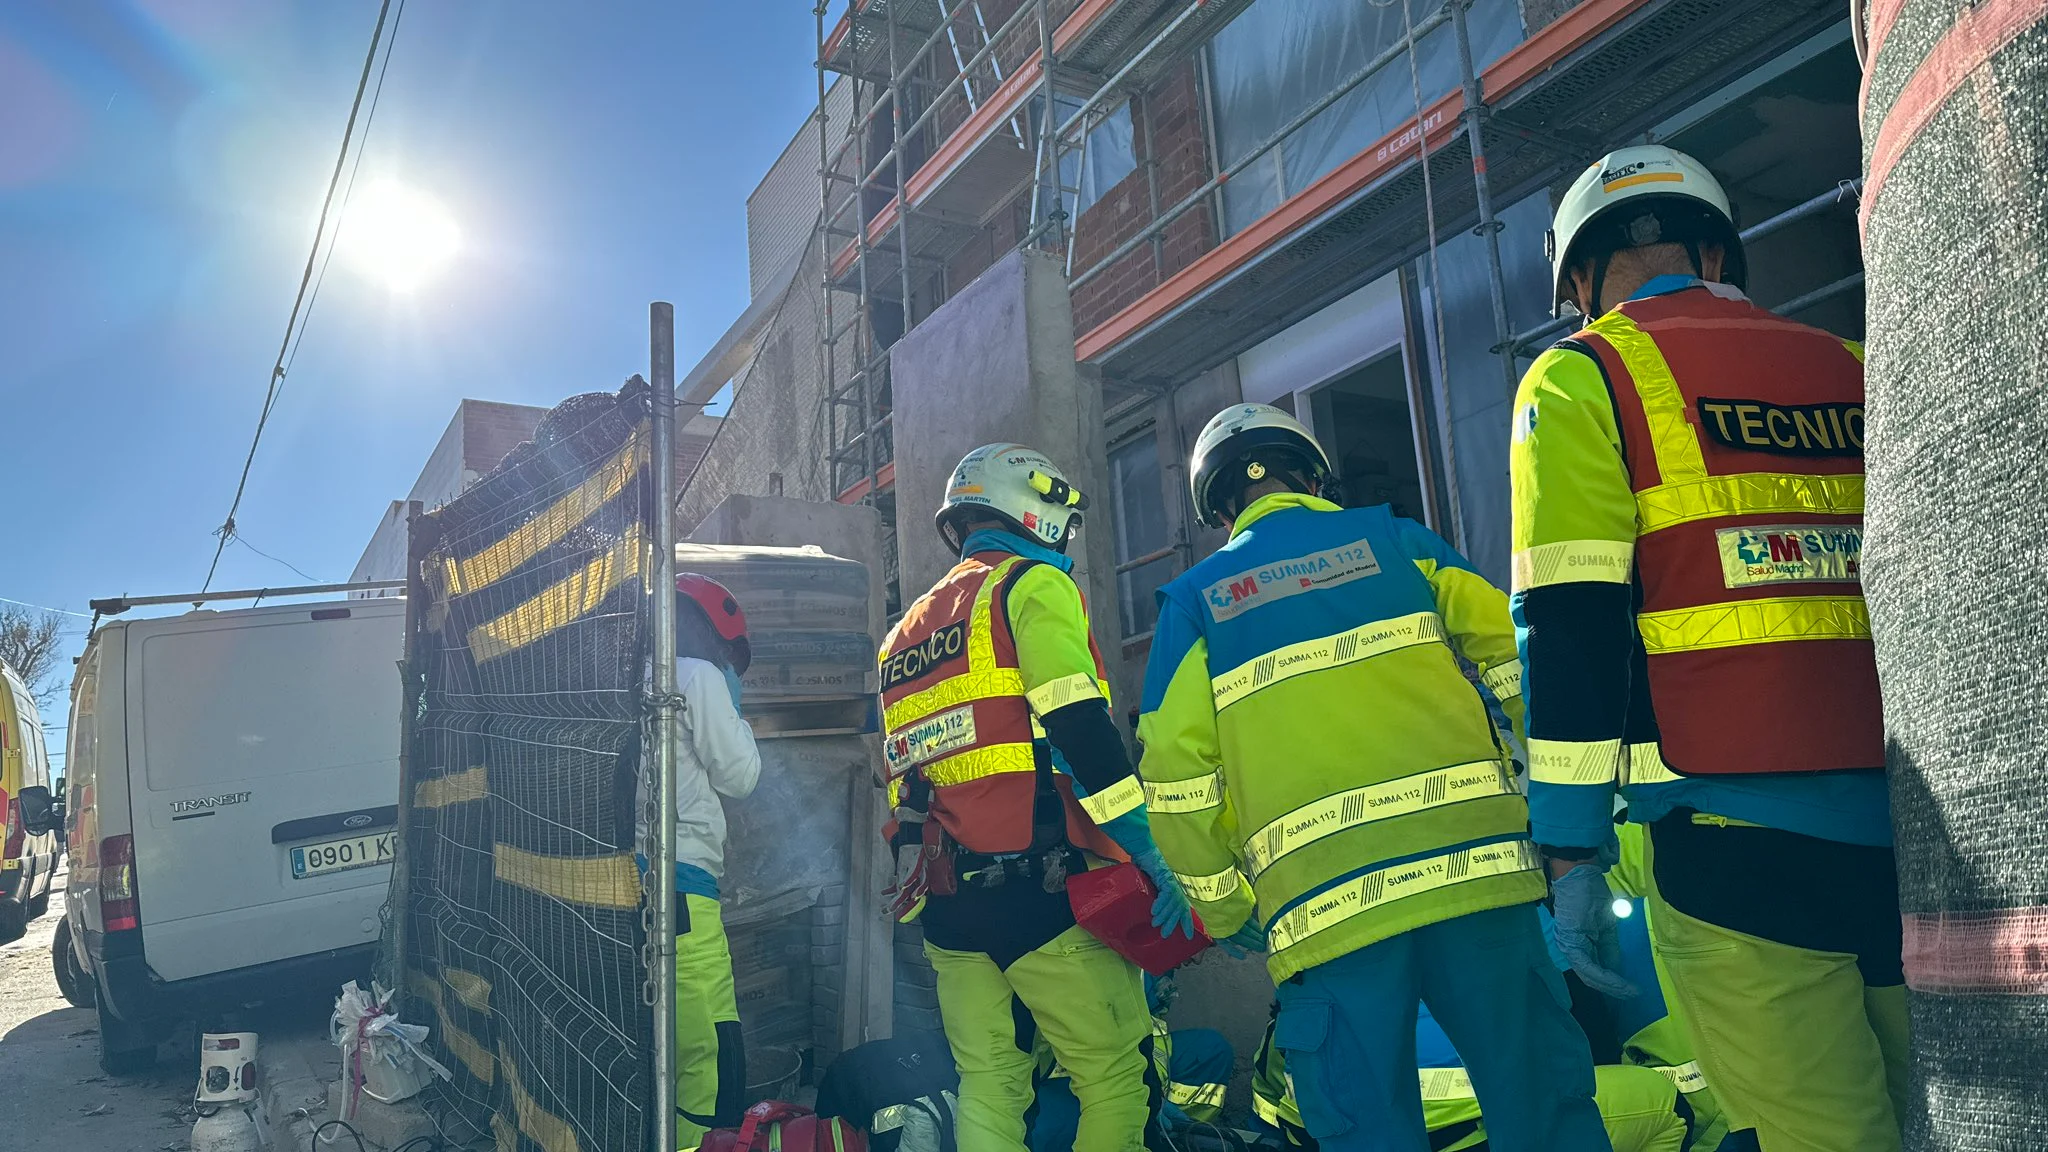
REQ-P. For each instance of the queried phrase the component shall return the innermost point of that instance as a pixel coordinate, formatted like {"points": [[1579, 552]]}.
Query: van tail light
{"points": [[120, 907], [15, 833]]}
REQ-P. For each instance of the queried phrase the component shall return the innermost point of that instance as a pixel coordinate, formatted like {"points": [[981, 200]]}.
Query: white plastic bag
{"points": [[381, 1057]]}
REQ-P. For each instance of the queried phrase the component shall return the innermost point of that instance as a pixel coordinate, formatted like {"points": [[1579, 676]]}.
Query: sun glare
{"points": [[398, 235]]}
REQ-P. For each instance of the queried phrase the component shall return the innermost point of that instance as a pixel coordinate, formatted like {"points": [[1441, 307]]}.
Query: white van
{"points": [[233, 805]]}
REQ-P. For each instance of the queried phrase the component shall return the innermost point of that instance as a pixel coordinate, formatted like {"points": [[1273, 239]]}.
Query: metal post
{"points": [[1489, 228], [410, 680], [1041, 217], [662, 619]]}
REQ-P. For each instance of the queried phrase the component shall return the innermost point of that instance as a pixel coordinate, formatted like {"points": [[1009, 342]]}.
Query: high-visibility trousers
{"points": [[1795, 1042], [711, 1062], [1089, 1003]]}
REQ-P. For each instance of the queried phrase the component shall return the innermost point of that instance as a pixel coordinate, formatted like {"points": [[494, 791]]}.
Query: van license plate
{"points": [[341, 855]]}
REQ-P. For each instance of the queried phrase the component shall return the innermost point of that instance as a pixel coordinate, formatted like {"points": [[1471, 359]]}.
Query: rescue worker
{"points": [[716, 757], [1688, 500], [1007, 774], [1316, 758], [1192, 1065], [1641, 1110], [1650, 1026]]}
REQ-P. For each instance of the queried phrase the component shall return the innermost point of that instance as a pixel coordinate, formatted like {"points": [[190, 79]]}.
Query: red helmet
{"points": [[723, 611]]}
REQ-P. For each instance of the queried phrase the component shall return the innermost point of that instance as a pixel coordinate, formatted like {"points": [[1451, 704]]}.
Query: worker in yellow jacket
{"points": [[1006, 775]]}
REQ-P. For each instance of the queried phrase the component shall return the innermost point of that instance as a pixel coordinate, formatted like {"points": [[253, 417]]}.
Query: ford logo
{"points": [[358, 820]]}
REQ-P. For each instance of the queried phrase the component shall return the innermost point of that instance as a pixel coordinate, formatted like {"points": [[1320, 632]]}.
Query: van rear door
{"points": [[263, 763]]}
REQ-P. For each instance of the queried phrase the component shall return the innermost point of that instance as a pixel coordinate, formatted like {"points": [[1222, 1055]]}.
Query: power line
{"points": [[244, 542], [341, 216], [47, 608], [227, 529]]}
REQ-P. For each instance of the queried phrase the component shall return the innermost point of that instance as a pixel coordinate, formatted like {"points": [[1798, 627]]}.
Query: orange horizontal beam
{"points": [[1515, 70], [885, 477]]}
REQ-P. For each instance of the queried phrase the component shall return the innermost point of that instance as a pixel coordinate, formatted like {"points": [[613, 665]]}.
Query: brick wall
{"points": [[1176, 148], [1538, 14]]}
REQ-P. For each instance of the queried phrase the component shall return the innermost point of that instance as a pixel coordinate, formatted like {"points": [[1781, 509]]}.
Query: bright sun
{"points": [[398, 235]]}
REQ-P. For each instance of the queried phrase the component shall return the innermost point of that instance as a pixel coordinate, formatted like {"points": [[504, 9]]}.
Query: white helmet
{"points": [[1676, 200], [1241, 444], [1016, 485]]}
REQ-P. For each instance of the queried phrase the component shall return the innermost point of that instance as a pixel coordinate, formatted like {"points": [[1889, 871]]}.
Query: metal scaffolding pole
{"points": [[1489, 227], [1042, 218], [828, 344], [662, 619]]}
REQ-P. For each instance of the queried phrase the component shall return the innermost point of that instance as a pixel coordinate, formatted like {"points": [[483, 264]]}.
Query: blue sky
{"points": [[161, 165]]}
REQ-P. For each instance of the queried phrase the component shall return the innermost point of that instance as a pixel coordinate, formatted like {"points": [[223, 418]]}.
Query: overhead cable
{"points": [[226, 531]]}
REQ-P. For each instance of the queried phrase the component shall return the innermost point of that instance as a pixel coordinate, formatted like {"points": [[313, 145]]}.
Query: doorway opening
{"points": [[1365, 424]]}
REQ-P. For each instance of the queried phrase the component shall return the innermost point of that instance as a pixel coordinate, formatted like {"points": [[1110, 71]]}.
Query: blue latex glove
{"points": [[1582, 912], [1245, 941], [1171, 911], [732, 684], [1171, 1117]]}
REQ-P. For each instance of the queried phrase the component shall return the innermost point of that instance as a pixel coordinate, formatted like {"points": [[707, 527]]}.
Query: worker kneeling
{"points": [[1316, 758], [1007, 775]]}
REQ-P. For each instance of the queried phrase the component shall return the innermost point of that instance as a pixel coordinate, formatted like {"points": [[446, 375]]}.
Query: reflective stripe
{"points": [[1195, 1095], [1754, 622], [1053, 695], [604, 881], [1196, 795], [952, 692], [891, 1118], [1446, 1084], [1210, 888], [531, 538], [1673, 440], [1270, 1112], [1574, 562], [1375, 639], [1574, 761], [1359, 806], [440, 791], [1646, 765], [1750, 493], [564, 602], [1686, 1077], [982, 678], [1398, 882], [977, 763], [1123, 796], [1504, 680]]}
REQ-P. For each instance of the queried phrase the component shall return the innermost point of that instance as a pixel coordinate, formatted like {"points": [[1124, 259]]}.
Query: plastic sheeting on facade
{"points": [[1281, 56], [1477, 399], [1955, 125]]}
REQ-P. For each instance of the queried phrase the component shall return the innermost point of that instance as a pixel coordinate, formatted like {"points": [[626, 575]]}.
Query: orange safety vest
{"points": [[1743, 436], [955, 716]]}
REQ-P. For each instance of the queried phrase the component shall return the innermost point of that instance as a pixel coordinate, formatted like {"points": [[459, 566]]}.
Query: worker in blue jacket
{"points": [[1325, 782]]}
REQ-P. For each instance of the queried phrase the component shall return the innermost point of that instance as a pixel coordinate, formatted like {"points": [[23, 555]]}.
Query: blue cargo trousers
{"points": [[1347, 1028]]}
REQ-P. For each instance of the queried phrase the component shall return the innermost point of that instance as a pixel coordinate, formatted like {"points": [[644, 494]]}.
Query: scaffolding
{"points": [[963, 107]]}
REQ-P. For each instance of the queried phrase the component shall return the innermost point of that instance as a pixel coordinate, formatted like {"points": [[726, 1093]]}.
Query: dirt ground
{"points": [[53, 1096]]}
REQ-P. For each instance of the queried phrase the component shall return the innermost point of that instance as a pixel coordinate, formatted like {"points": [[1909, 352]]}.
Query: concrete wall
{"points": [[996, 363]]}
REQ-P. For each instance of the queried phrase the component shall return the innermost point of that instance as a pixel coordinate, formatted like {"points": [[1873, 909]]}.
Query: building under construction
{"points": [[1091, 224], [1333, 206]]}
